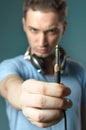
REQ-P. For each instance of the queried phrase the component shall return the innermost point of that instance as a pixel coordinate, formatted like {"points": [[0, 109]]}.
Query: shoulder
{"points": [[76, 69], [17, 65], [17, 61], [12, 60], [11, 66], [75, 66]]}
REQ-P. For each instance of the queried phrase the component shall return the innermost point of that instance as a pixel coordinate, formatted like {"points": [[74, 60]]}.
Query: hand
{"points": [[43, 103]]}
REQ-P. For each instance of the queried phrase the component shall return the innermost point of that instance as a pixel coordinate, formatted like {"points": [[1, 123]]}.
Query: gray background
{"points": [[13, 41]]}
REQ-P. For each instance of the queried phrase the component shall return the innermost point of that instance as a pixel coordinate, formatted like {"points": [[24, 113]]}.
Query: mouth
{"points": [[42, 50]]}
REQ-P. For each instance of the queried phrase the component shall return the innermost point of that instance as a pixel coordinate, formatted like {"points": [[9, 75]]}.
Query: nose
{"points": [[43, 39]]}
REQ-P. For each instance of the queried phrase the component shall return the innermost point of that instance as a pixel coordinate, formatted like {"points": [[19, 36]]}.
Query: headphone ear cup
{"points": [[38, 63]]}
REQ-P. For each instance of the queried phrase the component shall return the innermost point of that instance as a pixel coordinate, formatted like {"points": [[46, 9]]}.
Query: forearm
{"points": [[10, 89]]}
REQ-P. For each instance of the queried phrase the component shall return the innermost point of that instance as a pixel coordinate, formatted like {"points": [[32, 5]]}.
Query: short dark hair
{"points": [[58, 6]]}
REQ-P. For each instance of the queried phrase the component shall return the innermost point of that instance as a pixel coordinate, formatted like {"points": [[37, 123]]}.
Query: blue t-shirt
{"points": [[74, 76]]}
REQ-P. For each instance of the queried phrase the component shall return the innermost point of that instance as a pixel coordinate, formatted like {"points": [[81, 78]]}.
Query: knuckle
{"points": [[42, 125], [62, 103], [43, 89], [42, 102], [61, 93], [40, 117], [66, 103]]}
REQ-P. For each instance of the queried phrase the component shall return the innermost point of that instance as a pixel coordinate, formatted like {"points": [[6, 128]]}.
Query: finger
{"points": [[43, 125], [40, 101], [43, 115], [44, 88]]}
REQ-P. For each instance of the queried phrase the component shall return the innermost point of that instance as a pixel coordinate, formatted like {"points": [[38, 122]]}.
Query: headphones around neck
{"points": [[38, 62]]}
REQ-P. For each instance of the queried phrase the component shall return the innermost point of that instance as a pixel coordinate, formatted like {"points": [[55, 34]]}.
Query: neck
{"points": [[49, 65]]}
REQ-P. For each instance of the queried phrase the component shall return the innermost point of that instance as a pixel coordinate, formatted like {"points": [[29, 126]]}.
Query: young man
{"points": [[33, 100]]}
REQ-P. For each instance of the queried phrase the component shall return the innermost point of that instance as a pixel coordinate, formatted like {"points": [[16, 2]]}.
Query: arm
{"points": [[10, 89], [41, 102], [83, 112]]}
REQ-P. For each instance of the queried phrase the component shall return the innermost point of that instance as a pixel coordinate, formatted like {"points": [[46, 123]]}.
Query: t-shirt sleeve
{"points": [[8, 67]]}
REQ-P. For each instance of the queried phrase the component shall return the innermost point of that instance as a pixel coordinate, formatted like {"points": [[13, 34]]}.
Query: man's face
{"points": [[43, 31]]}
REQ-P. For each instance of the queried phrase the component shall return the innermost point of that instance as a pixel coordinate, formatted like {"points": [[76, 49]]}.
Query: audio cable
{"points": [[58, 77]]}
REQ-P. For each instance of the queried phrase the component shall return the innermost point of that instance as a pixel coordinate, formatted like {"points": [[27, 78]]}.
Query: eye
{"points": [[33, 30], [54, 30]]}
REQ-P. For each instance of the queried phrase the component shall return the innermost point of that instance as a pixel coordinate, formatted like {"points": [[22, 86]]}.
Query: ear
{"points": [[64, 26], [23, 23]]}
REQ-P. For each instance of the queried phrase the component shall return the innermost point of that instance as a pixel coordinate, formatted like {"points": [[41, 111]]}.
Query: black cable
{"points": [[57, 77], [65, 120]]}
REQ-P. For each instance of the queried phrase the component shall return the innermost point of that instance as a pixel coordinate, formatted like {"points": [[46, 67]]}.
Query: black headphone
{"points": [[38, 62]]}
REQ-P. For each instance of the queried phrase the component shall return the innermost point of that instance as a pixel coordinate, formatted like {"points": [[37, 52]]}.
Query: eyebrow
{"points": [[52, 28]]}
